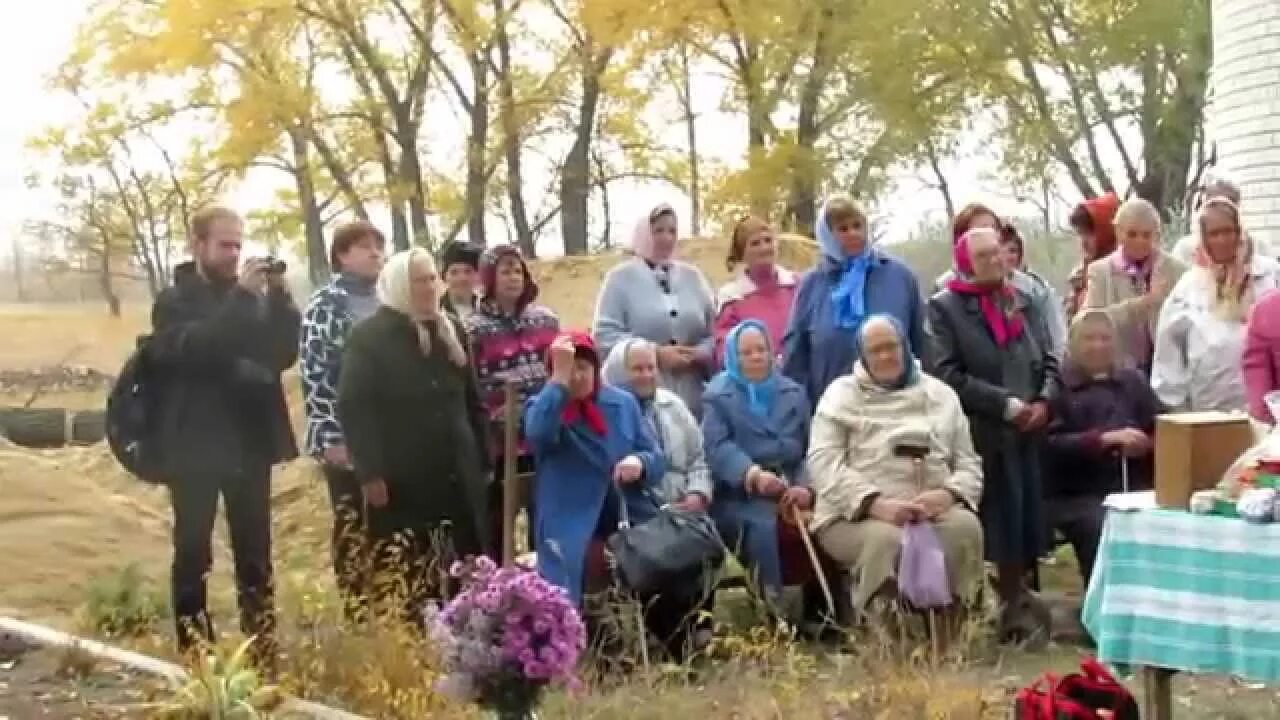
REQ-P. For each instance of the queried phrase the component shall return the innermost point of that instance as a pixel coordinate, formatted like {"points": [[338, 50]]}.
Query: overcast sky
{"points": [[41, 34]]}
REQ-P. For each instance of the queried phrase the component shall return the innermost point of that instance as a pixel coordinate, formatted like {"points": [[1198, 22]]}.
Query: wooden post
{"points": [[510, 483], [1157, 693]]}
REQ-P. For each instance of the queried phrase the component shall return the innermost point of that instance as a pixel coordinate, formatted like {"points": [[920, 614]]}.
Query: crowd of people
{"points": [[836, 406]]}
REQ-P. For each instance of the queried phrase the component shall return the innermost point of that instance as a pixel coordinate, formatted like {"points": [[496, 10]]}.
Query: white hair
{"points": [[395, 292], [1137, 209]]}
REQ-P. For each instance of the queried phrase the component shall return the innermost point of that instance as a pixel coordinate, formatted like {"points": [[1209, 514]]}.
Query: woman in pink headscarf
{"points": [[657, 298]]}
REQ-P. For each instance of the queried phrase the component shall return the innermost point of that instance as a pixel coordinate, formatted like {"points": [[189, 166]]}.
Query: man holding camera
{"points": [[221, 339]]}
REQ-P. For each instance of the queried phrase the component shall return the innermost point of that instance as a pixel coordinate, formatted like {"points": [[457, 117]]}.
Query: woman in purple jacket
{"points": [[1100, 437]]}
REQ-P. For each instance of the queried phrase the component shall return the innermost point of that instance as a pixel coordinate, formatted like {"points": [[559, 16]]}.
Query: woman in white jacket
{"points": [[1201, 333]]}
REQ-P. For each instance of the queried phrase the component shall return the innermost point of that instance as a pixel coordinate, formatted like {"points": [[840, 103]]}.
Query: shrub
{"points": [[123, 604]]}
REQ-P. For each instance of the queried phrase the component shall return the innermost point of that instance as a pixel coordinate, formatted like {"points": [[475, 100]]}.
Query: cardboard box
{"points": [[1193, 450]]}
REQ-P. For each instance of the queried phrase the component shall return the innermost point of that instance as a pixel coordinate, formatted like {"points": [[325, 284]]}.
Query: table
{"points": [[1172, 591]]}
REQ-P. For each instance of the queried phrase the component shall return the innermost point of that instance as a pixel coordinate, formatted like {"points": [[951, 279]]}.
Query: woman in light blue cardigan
{"points": [[667, 302]]}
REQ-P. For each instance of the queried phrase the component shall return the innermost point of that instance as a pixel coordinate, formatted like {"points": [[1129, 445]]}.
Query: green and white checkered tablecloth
{"points": [[1187, 592]]}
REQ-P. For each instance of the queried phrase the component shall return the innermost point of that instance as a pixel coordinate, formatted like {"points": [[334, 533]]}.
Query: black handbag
{"points": [[669, 551]]}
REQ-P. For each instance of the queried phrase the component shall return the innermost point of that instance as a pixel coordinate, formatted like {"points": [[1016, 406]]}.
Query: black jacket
{"points": [[1087, 408], [219, 351], [414, 421], [963, 354]]}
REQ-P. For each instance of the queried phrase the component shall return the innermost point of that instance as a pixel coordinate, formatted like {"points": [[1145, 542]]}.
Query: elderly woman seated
{"points": [[871, 429], [632, 365], [755, 424], [1101, 434], [585, 438]]}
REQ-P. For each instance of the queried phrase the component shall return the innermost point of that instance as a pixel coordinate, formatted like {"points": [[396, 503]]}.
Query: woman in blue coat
{"points": [[851, 282], [585, 436], [755, 425]]}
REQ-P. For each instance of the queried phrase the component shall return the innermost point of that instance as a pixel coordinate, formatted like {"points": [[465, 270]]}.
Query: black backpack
{"points": [[132, 409]]}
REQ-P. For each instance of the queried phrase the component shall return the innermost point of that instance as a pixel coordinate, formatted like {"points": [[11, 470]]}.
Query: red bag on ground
{"points": [[1091, 694]]}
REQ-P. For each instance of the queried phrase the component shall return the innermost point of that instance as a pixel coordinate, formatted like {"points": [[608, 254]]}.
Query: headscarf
{"points": [[760, 393], [910, 369], [848, 297], [1076, 335], [1232, 289], [1005, 327], [1102, 213], [642, 235], [614, 371], [585, 409], [489, 275], [394, 291], [615, 374]]}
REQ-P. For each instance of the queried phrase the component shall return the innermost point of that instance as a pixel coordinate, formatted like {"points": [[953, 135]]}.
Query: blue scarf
{"points": [[910, 372], [761, 393], [849, 296]]}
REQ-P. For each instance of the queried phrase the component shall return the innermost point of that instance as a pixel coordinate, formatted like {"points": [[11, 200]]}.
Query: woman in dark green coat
{"points": [[408, 404]]}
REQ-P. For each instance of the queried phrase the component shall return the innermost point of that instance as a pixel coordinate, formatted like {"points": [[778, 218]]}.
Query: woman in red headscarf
{"points": [[1094, 223], [586, 437], [983, 346]]}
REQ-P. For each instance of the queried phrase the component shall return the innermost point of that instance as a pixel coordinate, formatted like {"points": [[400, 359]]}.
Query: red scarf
{"points": [[585, 409], [1005, 327]]}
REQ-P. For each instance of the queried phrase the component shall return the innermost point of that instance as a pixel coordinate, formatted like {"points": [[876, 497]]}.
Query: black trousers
{"points": [[411, 558], [349, 544], [1079, 518], [247, 499]]}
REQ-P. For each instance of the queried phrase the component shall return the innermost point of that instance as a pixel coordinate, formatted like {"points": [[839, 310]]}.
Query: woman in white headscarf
{"points": [[406, 391], [1200, 338], [657, 298]]}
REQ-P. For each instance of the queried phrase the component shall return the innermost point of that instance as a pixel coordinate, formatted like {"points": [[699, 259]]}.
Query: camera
{"points": [[275, 266]]}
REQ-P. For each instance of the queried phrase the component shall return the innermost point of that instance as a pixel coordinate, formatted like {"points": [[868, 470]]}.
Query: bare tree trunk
{"points": [[313, 225], [575, 177], [477, 148], [943, 185], [691, 135], [511, 139], [411, 181], [18, 283]]}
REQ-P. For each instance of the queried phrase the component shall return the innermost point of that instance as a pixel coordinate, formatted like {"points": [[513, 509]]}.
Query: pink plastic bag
{"points": [[922, 568]]}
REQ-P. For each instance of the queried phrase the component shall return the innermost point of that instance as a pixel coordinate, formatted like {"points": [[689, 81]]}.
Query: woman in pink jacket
{"points": [[1262, 356], [762, 291]]}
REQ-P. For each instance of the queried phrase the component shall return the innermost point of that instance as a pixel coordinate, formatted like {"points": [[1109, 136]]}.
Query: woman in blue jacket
{"points": [[585, 437], [755, 425], [851, 282]]}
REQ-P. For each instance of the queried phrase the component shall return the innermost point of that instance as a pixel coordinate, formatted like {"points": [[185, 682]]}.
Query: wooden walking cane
{"points": [[510, 483], [798, 518]]}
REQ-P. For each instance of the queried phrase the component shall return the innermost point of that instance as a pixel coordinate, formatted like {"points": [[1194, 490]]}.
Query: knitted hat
{"points": [[460, 253]]}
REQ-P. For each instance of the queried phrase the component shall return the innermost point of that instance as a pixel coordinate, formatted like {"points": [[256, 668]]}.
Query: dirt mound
{"points": [[569, 285], [72, 514]]}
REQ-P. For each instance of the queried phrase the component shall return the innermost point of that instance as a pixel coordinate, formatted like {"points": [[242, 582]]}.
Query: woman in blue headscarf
{"points": [[868, 427], [852, 281], [755, 425]]}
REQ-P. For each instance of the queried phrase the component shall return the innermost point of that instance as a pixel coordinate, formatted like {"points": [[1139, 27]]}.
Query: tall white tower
{"points": [[1244, 117]]}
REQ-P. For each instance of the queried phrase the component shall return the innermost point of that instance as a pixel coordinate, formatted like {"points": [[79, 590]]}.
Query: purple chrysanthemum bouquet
{"points": [[505, 637]]}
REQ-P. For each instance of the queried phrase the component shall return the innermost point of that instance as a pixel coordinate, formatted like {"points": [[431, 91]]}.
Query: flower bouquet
{"points": [[505, 637]]}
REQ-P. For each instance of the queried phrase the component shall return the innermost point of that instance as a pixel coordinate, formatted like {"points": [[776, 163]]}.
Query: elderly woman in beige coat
{"points": [[1132, 283], [868, 486]]}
